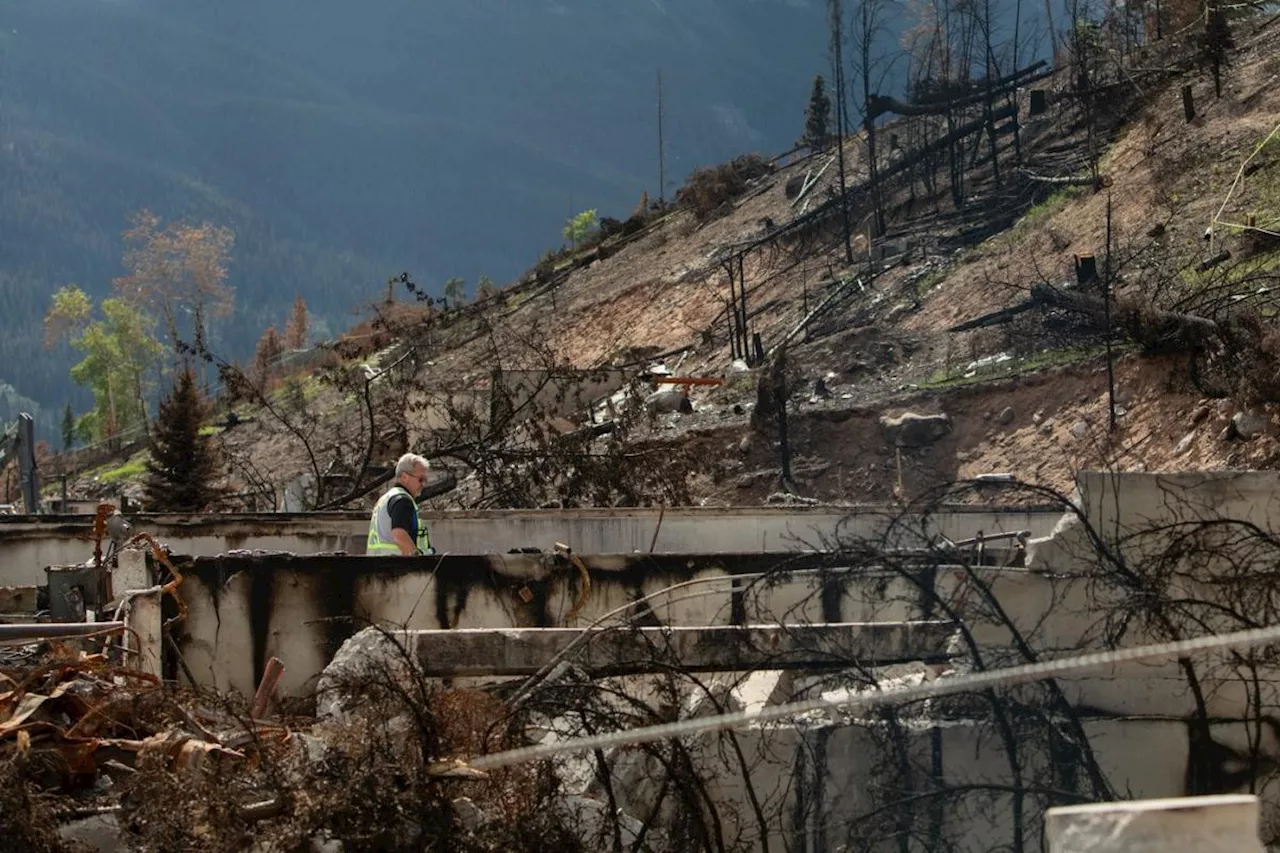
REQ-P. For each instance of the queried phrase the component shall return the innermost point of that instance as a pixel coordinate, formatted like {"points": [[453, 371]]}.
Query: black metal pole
{"points": [[1106, 303], [742, 290]]}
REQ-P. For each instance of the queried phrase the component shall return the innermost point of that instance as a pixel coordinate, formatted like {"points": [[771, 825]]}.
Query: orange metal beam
{"points": [[688, 380]]}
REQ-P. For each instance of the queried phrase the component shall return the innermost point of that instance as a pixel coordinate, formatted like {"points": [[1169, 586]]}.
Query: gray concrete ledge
{"points": [[1225, 823]]}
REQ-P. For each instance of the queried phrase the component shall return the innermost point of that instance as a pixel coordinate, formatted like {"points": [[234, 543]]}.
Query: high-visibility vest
{"points": [[380, 541]]}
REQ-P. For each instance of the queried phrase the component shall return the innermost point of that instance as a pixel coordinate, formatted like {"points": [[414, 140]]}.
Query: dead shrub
{"points": [[1258, 243], [372, 788], [610, 227], [475, 723], [176, 812], [1252, 356], [1159, 331], [26, 822], [368, 791], [709, 189]]}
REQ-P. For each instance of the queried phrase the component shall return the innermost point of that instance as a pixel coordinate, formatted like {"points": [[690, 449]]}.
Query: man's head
{"points": [[411, 473]]}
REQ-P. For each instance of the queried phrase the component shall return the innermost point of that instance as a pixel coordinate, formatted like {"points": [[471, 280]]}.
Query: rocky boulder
{"points": [[1247, 425], [667, 401], [366, 665], [910, 429]]}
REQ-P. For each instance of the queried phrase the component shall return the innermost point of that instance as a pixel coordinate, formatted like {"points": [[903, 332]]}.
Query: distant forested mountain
{"points": [[345, 142]]}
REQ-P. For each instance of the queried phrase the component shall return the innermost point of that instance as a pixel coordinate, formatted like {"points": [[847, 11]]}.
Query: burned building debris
{"points": [[259, 680]]}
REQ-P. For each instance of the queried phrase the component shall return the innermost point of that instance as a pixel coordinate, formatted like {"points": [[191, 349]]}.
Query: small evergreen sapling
{"points": [[182, 464], [817, 116]]}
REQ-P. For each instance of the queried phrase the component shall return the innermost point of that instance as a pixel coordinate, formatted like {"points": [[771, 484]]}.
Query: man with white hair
{"points": [[394, 527]]}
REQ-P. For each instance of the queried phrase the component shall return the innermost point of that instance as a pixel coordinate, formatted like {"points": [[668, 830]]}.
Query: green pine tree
{"points": [[68, 428], [817, 116], [455, 292], [182, 464]]}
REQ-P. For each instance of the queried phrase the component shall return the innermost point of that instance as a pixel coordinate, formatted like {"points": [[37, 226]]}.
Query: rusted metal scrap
{"points": [[171, 587], [83, 709], [100, 530]]}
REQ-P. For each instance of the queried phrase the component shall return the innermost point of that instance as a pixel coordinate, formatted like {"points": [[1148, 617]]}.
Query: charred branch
{"points": [[1067, 180]]}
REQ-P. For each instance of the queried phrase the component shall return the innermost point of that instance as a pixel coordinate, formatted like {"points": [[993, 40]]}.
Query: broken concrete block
{"points": [[324, 844], [470, 816], [99, 833], [590, 821], [914, 430], [1247, 425], [371, 658], [131, 573]]}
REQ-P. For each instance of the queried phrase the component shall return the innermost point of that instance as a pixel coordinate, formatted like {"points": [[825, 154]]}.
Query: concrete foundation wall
{"points": [[562, 393], [817, 785], [242, 611], [440, 411], [29, 544], [1119, 503]]}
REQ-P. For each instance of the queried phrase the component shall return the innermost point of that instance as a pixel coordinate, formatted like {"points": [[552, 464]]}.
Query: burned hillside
{"points": [[1043, 223]]}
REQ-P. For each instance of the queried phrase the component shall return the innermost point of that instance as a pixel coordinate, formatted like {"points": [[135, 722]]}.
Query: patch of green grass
{"points": [[298, 387], [930, 280], [131, 470], [210, 429], [1049, 206], [1224, 277], [957, 376], [1033, 218]]}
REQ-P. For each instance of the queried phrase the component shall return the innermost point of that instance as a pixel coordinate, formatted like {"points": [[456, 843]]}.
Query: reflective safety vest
{"points": [[380, 541]]}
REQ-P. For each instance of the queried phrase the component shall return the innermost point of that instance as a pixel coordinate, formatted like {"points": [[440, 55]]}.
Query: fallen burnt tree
{"points": [[943, 142], [1153, 328], [878, 105]]}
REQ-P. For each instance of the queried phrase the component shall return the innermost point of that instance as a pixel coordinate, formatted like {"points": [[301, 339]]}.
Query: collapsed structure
{"points": [[832, 603]]}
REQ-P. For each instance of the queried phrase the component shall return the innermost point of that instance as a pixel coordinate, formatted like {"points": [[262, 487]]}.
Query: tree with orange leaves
{"points": [[295, 331], [175, 268]]}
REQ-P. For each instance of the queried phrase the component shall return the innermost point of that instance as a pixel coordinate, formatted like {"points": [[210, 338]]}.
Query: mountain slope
{"points": [[343, 145], [1028, 397]]}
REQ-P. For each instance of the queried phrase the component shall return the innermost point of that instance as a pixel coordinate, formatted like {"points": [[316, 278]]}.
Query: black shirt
{"points": [[404, 515]]}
